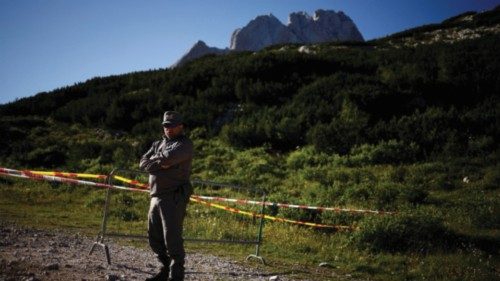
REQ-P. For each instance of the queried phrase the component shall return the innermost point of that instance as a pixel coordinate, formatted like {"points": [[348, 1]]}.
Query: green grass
{"points": [[428, 196]]}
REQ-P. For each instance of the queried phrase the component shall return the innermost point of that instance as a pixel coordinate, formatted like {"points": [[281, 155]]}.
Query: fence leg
{"points": [[92, 248], [108, 257], [259, 235], [100, 238]]}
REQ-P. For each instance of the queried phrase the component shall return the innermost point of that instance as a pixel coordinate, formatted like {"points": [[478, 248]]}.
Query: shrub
{"points": [[386, 196], [241, 135], [305, 157], [481, 146], [425, 174], [398, 174], [51, 156], [357, 193], [404, 232], [391, 151], [332, 194]]}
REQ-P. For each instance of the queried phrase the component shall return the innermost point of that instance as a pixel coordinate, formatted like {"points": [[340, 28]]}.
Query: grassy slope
{"points": [[469, 210]]}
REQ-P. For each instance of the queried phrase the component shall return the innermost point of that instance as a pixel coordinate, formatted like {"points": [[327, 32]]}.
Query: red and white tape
{"points": [[30, 175], [284, 205], [271, 218], [69, 178], [65, 175]]}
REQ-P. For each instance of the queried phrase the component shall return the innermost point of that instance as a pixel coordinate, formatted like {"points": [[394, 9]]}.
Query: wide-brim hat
{"points": [[172, 118]]}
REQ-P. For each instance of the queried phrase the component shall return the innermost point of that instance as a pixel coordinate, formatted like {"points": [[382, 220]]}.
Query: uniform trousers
{"points": [[166, 217]]}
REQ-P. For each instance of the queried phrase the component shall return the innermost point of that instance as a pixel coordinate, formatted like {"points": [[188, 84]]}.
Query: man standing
{"points": [[168, 163]]}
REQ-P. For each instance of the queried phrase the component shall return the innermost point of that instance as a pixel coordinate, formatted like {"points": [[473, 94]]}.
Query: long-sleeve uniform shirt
{"points": [[168, 163]]}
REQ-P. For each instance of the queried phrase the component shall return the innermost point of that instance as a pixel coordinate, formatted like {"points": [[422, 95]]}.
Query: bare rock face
{"points": [[324, 26], [267, 30], [261, 32]]}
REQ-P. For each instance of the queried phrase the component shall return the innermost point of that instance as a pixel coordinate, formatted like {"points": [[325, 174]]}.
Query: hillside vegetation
{"points": [[406, 123]]}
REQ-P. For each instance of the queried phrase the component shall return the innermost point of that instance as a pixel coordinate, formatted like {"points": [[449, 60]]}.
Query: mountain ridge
{"points": [[492, 18], [267, 30]]}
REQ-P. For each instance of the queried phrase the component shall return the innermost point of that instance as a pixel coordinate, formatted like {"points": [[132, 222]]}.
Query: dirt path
{"points": [[30, 254]]}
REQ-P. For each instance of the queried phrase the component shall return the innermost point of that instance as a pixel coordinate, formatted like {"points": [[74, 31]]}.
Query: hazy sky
{"points": [[48, 44]]}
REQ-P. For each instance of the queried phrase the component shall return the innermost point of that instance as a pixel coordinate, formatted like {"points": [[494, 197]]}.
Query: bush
{"points": [[391, 151], [356, 193], [305, 157], [398, 174], [386, 196], [241, 135], [481, 146], [402, 233], [425, 174], [50, 157]]}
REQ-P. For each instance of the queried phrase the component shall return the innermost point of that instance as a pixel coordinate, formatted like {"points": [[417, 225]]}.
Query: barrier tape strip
{"points": [[220, 199], [93, 176], [131, 182], [283, 205], [256, 215], [38, 176], [69, 175], [30, 175]]}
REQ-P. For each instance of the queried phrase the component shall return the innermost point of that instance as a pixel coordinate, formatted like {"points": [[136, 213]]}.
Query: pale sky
{"points": [[48, 44]]}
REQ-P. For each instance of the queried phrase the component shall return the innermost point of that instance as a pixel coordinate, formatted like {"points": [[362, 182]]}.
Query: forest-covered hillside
{"points": [[430, 100]]}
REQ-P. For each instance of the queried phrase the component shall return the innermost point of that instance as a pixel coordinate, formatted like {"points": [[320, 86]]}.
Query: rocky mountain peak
{"points": [[269, 19], [199, 45], [259, 33], [324, 26], [298, 18], [267, 30], [199, 49]]}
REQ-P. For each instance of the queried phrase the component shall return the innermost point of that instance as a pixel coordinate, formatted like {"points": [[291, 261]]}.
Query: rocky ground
{"points": [[31, 254]]}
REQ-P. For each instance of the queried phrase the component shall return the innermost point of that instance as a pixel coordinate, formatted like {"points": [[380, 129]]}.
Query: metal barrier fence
{"points": [[205, 187]]}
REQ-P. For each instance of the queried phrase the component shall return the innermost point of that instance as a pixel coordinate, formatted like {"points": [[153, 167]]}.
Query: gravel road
{"points": [[31, 254]]}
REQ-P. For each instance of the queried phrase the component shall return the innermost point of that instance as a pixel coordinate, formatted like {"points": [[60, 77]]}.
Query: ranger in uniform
{"points": [[168, 163]]}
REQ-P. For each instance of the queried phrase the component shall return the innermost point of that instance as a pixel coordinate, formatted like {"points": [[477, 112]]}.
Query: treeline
{"points": [[431, 100]]}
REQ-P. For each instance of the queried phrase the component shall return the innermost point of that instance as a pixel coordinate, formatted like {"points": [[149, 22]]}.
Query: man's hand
{"points": [[151, 165], [154, 164]]}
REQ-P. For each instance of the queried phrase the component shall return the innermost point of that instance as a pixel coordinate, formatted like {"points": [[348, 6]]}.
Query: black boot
{"points": [[160, 276]]}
